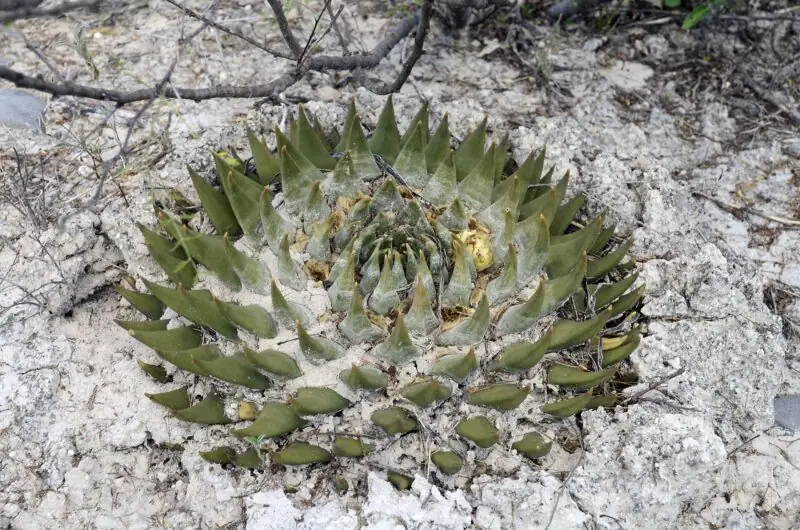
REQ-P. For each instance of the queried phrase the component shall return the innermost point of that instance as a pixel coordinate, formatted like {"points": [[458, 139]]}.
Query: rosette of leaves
{"points": [[455, 268]]}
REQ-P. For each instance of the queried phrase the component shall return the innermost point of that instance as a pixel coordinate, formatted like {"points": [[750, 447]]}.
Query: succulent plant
{"points": [[452, 276]]}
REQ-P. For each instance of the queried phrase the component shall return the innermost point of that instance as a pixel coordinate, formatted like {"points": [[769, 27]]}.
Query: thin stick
{"points": [[655, 384], [233, 32], [741, 209]]}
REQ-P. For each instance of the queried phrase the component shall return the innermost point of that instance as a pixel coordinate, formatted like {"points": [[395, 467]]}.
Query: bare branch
{"points": [[317, 63], [286, 31], [122, 97], [220, 27], [416, 53], [32, 11]]}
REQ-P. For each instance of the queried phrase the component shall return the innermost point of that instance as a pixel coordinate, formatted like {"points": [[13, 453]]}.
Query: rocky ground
{"points": [[660, 127]]}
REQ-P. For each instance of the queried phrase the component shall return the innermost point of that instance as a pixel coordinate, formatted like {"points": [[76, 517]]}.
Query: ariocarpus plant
{"points": [[454, 281]]}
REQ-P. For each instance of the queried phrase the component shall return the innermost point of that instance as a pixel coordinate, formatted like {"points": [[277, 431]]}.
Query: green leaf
{"points": [[448, 462], [235, 369], [210, 411], [470, 152], [147, 304], [197, 306], [219, 455], [356, 326], [187, 359], [398, 348], [523, 356], [438, 149], [470, 330], [568, 333], [385, 139], [399, 481], [476, 187], [251, 271], [251, 318], [569, 406], [561, 374], [142, 325], [170, 339], [274, 362], [170, 257], [311, 144], [275, 419], [156, 371], [394, 420], [364, 378], [174, 399], [696, 16], [267, 166], [216, 206], [411, 160], [602, 266], [501, 396], [301, 453], [456, 366], [425, 393], [479, 430], [622, 352], [351, 447], [317, 400], [532, 445], [317, 349]]}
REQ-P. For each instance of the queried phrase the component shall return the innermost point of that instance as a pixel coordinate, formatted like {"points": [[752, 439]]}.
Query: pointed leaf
{"points": [[501, 396], [216, 206], [602, 266], [456, 366], [562, 374], [567, 333], [317, 400], [569, 406], [470, 152], [317, 349], [476, 187], [351, 447], [448, 462], [622, 352], [147, 304], [532, 445], [438, 147], [394, 420], [479, 430], [275, 419], [398, 348], [411, 160], [170, 257], [235, 369], [156, 371], [357, 326], [274, 362], [171, 339], [522, 356], [251, 318], [364, 378], [142, 325], [210, 411], [425, 393], [267, 166], [301, 453], [385, 139], [197, 306], [287, 270], [187, 359], [174, 399], [470, 330], [311, 144]]}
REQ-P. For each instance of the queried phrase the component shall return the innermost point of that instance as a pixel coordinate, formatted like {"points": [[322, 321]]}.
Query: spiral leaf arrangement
{"points": [[450, 275]]}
